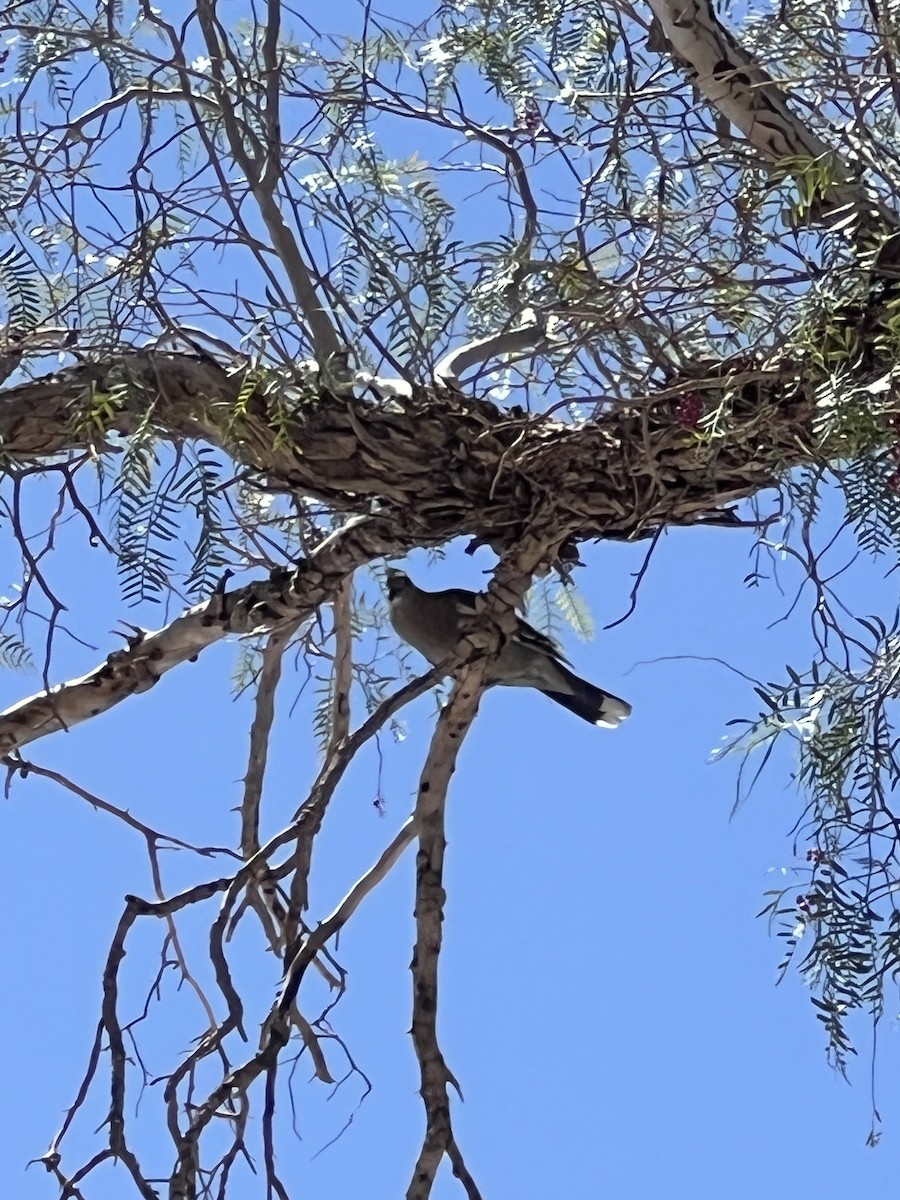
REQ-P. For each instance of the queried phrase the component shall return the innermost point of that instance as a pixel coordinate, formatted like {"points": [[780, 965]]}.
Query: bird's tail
{"points": [[592, 703]]}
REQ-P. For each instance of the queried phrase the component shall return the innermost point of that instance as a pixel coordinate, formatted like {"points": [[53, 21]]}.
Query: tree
{"points": [[256, 340]]}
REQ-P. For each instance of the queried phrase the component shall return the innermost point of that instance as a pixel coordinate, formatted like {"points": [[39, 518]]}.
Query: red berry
{"points": [[689, 409]]}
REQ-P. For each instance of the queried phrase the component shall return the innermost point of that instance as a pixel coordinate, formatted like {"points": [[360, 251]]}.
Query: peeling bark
{"points": [[283, 598]]}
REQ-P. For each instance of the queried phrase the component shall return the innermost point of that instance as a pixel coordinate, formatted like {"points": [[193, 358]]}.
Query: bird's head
{"points": [[397, 582]]}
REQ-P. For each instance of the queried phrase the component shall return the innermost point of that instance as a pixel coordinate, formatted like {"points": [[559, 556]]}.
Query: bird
{"points": [[430, 622]]}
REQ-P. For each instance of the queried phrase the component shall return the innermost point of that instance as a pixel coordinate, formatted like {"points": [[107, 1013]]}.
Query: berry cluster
{"points": [[529, 116], [689, 410]]}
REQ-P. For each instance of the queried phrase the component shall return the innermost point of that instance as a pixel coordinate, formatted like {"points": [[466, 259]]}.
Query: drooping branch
{"points": [[452, 726], [504, 594], [300, 953], [260, 729]]}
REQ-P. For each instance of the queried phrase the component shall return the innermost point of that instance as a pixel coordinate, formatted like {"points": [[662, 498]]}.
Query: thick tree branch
{"points": [[453, 724], [495, 618], [287, 597], [439, 464], [734, 83]]}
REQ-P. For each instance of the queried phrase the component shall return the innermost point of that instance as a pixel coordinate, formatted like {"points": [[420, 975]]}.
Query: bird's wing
{"points": [[464, 601], [539, 641]]}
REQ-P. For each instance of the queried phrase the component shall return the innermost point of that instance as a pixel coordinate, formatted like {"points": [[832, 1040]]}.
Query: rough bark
{"points": [[442, 463]]}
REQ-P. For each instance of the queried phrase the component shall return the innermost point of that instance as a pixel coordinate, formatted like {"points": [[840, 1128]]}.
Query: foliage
{"points": [[839, 917]]}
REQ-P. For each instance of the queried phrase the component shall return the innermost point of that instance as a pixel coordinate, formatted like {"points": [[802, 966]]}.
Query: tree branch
{"points": [[441, 464], [516, 343], [735, 84], [286, 597]]}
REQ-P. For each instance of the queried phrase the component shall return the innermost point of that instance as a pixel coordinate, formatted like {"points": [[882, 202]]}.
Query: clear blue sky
{"points": [[607, 994]]}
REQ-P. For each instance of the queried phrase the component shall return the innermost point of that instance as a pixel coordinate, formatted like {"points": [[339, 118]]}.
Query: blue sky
{"points": [[607, 995]]}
